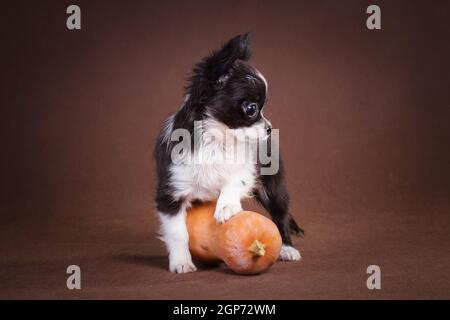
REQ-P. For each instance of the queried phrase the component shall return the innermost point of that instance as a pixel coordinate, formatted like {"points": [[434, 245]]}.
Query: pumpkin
{"points": [[248, 242]]}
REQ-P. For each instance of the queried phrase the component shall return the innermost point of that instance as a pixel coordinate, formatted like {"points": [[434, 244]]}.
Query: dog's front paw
{"points": [[181, 262], [182, 267], [225, 211], [289, 253]]}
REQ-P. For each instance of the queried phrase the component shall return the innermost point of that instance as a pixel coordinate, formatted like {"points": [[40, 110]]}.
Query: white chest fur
{"points": [[208, 170]]}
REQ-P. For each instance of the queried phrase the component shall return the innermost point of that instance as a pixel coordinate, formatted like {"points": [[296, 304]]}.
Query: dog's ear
{"points": [[215, 69], [220, 62]]}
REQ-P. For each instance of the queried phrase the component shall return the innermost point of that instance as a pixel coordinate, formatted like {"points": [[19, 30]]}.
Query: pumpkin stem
{"points": [[257, 248]]}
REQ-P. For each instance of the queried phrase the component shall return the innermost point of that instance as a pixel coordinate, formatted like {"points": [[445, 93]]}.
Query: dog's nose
{"points": [[269, 129]]}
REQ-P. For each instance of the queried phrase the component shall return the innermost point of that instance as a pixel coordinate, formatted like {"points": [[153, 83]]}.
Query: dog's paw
{"points": [[182, 267], [289, 253], [181, 262], [225, 211]]}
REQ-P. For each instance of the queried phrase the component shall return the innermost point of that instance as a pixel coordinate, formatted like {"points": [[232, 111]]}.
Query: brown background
{"points": [[364, 122]]}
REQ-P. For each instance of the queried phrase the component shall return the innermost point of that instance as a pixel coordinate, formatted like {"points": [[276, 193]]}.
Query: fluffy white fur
{"points": [[289, 253], [174, 234]]}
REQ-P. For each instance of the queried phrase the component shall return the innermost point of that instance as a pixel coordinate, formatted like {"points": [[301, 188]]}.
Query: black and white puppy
{"points": [[224, 92]]}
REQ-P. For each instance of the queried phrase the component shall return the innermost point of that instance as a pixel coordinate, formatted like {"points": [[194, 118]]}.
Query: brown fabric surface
{"points": [[364, 124]]}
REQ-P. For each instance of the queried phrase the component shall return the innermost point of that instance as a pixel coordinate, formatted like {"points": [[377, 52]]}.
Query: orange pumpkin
{"points": [[248, 243]]}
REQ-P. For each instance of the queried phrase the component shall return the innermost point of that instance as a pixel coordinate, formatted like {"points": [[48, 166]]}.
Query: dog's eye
{"points": [[251, 109]]}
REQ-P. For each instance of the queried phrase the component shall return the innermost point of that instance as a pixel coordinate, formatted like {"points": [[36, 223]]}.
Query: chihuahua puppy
{"points": [[224, 93]]}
